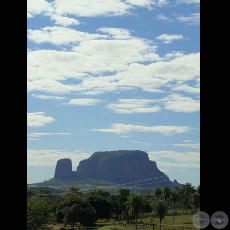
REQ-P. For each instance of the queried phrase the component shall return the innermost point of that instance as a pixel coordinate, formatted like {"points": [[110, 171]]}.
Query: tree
{"points": [[114, 205], [135, 204], [71, 214], [100, 192], [195, 201], [187, 190], [160, 209], [73, 196], [81, 212], [174, 198], [157, 192], [101, 205], [88, 215], [123, 196], [198, 189], [166, 194], [38, 214]]}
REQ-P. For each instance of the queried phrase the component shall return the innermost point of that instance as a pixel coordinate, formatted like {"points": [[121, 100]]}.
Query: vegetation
{"points": [[98, 208]]}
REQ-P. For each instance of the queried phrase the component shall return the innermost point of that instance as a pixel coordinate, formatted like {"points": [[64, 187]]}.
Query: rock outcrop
{"points": [[63, 170], [122, 166]]}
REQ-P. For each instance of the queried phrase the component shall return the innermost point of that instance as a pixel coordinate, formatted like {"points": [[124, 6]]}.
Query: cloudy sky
{"points": [[113, 75]]}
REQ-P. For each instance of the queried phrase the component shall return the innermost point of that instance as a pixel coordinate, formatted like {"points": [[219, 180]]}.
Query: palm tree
{"points": [[174, 198], [157, 192], [166, 194], [135, 204], [160, 209], [187, 190]]}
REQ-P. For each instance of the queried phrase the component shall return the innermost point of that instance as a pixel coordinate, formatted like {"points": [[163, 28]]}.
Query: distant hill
{"points": [[124, 167]]}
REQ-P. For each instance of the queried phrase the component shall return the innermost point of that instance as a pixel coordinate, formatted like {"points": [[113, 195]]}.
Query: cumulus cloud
{"points": [[48, 97], [60, 35], [48, 68], [167, 38], [38, 6], [84, 102], [64, 21], [193, 19], [88, 8], [179, 103], [130, 106], [38, 119], [188, 1], [49, 157], [175, 159], [163, 18], [165, 130], [190, 145]]}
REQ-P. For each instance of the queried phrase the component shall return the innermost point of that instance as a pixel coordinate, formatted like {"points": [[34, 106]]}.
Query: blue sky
{"points": [[113, 75]]}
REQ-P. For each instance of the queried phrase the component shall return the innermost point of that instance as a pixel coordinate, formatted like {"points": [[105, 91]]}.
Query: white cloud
{"points": [[193, 19], [163, 18], [64, 21], [89, 8], [167, 38], [186, 88], [116, 33], [188, 1], [60, 35], [173, 54], [47, 67], [138, 142], [175, 159], [38, 119], [179, 103], [84, 102], [190, 145], [133, 106], [165, 130], [45, 97], [142, 3], [33, 135], [29, 15], [161, 3], [49, 157], [38, 6]]}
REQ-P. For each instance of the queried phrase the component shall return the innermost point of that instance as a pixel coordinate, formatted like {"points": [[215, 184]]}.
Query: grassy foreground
{"points": [[179, 223]]}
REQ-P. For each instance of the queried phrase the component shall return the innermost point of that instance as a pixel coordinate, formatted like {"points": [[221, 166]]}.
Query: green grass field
{"points": [[180, 222]]}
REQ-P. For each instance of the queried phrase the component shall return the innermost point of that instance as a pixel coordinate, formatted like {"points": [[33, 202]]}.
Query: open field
{"points": [[180, 222]]}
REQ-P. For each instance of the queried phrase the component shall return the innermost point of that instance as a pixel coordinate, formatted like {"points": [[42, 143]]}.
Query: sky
{"points": [[106, 75]]}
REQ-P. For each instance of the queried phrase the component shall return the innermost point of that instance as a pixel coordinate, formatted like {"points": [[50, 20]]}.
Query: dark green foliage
{"points": [[38, 214], [72, 214], [100, 204], [74, 207], [100, 192], [160, 209], [146, 207], [158, 191], [114, 205], [134, 205]]}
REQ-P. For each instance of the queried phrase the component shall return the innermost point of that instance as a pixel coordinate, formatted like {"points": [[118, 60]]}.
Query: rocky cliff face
{"points": [[122, 166], [63, 170]]}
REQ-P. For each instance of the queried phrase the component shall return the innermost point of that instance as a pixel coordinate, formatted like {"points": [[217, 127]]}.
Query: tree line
{"points": [[76, 208]]}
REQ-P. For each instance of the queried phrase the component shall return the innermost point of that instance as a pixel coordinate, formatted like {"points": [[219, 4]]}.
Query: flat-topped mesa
{"points": [[63, 170], [119, 166]]}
